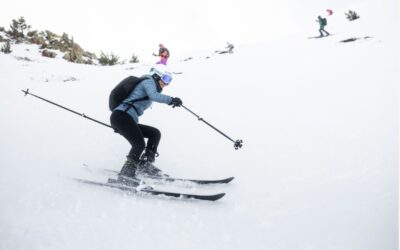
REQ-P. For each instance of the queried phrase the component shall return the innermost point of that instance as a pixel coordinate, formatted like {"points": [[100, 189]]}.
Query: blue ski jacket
{"points": [[148, 87]]}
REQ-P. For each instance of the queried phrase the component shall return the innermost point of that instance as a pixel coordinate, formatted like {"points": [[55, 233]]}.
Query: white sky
{"points": [[138, 26]]}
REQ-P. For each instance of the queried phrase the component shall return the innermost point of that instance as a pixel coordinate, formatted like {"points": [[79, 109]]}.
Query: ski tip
{"points": [[218, 196], [213, 197], [229, 179]]}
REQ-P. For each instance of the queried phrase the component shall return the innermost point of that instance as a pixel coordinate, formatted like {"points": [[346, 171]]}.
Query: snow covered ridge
{"points": [[50, 44], [53, 45]]}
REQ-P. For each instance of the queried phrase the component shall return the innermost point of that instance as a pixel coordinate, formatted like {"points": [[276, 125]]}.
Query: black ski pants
{"points": [[135, 133]]}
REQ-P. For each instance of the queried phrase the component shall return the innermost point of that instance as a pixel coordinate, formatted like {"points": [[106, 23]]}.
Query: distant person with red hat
{"points": [[163, 53]]}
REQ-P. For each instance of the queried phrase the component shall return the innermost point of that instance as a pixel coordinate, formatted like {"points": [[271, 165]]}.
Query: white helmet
{"points": [[161, 71]]}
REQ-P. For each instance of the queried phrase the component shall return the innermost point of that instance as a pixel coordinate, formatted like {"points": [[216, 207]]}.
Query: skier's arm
{"points": [[152, 93]]}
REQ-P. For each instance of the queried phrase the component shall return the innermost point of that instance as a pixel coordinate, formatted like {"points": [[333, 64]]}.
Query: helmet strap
{"points": [[157, 80], [156, 77]]}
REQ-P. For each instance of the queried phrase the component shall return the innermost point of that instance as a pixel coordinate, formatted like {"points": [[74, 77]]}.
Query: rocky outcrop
{"points": [[48, 42], [48, 53]]}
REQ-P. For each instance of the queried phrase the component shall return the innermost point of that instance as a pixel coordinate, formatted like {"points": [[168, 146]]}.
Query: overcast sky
{"points": [[138, 26]]}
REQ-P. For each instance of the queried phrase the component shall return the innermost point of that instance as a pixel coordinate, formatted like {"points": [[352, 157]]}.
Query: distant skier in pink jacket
{"points": [[163, 53]]}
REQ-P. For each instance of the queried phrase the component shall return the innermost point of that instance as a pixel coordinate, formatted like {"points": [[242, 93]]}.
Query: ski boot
{"points": [[146, 167], [127, 176], [149, 170]]}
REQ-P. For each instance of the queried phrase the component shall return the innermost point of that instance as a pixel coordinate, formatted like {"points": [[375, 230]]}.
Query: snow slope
{"points": [[318, 169]]}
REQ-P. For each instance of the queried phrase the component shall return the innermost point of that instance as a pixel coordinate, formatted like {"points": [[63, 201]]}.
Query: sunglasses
{"points": [[166, 79]]}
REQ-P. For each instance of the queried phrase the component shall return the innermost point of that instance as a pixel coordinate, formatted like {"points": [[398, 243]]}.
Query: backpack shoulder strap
{"points": [[144, 98]]}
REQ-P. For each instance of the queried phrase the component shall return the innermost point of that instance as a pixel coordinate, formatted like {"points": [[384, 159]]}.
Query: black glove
{"points": [[175, 102]]}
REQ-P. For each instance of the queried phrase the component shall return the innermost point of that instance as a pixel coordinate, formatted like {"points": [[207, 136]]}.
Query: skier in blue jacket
{"points": [[125, 119]]}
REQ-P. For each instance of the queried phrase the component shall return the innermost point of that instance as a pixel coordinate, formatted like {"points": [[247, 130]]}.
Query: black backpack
{"points": [[122, 90], [324, 22]]}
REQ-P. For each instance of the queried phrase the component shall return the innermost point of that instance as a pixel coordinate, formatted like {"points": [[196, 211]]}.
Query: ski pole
{"points": [[236, 144], [70, 110]]}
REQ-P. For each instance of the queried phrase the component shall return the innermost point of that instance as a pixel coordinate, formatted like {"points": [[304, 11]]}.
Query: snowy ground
{"points": [[318, 169]]}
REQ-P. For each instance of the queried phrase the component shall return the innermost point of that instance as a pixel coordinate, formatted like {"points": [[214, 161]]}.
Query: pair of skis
{"points": [[114, 183]]}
